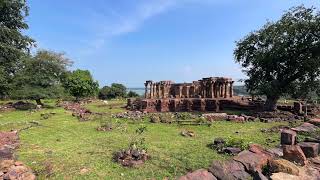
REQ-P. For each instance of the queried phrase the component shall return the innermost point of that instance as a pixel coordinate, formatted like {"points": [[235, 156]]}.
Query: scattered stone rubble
{"points": [[9, 168], [78, 111], [225, 116], [131, 157], [292, 160], [135, 115], [7, 107]]}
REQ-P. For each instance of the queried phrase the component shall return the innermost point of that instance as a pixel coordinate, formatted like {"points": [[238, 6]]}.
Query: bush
{"points": [[132, 94], [114, 91]]}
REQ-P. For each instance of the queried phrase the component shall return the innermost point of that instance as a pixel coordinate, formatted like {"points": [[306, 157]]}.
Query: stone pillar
{"points": [[146, 90], [225, 89], [188, 91], [158, 90], [218, 90], [180, 91], [231, 89], [163, 90], [151, 90], [211, 90]]}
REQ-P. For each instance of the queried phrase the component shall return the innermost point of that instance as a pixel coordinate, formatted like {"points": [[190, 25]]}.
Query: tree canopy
{"points": [[283, 57], [41, 76], [114, 91], [80, 83], [13, 44]]}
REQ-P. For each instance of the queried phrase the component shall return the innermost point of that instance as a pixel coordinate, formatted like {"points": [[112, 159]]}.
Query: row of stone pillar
{"points": [[156, 90], [217, 89]]}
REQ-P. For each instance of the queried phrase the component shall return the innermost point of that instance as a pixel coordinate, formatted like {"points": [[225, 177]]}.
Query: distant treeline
{"points": [[240, 91]]}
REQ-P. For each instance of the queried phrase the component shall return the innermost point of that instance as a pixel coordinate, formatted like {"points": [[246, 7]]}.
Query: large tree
{"points": [[283, 57], [114, 91], [80, 84], [13, 44], [41, 76]]}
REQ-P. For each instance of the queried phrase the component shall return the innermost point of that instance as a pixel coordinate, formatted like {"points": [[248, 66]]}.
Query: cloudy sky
{"points": [[130, 41]]}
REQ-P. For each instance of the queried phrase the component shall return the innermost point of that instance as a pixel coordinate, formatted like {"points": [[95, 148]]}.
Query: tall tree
{"points": [[80, 84], [41, 76], [282, 56], [13, 44]]}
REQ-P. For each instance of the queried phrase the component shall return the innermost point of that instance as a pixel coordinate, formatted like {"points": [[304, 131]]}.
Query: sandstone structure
{"points": [[207, 94], [212, 87]]}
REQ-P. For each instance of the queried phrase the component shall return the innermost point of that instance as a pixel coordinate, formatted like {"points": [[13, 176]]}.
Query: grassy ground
{"points": [[61, 147]]}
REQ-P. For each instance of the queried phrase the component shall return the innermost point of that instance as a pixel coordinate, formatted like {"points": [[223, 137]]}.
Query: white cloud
{"points": [[115, 23], [112, 23]]}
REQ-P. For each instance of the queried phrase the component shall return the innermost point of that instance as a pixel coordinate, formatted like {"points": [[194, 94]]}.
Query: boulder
{"points": [[315, 121], [284, 176], [5, 165], [230, 170], [285, 166], [288, 137], [258, 149], [252, 161], [200, 174], [231, 150], [309, 149], [309, 173], [306, 127], [295, 154]]}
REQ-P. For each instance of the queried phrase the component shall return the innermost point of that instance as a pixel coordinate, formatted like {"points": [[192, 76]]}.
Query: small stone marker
{"points": [[288, 137], [309, 149]]}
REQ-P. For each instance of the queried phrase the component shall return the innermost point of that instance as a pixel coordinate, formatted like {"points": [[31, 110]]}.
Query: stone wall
{"points": [[191, 104]]}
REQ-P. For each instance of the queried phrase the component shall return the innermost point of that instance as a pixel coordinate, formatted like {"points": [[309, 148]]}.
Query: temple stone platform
{"points": [[207, 94]]}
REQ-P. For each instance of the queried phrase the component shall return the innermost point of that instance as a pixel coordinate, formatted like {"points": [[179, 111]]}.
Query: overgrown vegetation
{"points": [[67, 146]]}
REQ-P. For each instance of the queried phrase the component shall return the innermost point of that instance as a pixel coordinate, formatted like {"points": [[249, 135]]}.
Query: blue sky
{"points": [[130, 41]]}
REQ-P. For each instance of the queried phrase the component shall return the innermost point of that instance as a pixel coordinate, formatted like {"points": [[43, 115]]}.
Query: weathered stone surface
{"points": [[200, 174], [305, 127], [252, 161], [284, 176], [5, 165], [276, 152], [229, 170], [288, 137], [258, 149], [231, 150], [215, 116], [309, 149], [294, 153], [6, 153], [309, 173], [315, 122], [282, 165]]}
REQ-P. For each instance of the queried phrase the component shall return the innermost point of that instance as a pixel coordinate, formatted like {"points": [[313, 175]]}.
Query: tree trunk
{"points": [[271, 103], [39, 102]]}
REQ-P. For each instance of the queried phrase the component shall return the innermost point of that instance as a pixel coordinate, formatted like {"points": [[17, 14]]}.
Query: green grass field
{"points": [[61, 147]]}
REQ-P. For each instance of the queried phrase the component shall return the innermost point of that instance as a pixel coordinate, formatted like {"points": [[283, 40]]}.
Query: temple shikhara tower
{"points": [[207, 94]]}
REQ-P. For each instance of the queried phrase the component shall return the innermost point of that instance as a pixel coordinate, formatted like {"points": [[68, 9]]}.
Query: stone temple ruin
{"points": [[207, 94]]}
